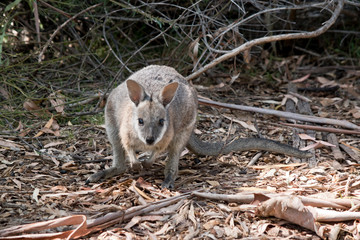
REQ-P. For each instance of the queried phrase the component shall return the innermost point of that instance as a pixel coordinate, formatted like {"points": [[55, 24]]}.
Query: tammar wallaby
{"points": [[154, 111]]}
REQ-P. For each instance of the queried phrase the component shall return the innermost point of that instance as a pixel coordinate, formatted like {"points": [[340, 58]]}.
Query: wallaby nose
{"points": [[150, 140]]}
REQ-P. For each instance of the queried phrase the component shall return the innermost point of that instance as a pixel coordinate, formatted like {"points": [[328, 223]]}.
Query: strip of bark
{"points": [[352, 153], [336, 150]]}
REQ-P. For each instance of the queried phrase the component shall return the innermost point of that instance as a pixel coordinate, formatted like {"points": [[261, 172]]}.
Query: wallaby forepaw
{"points": [[169, 186]]}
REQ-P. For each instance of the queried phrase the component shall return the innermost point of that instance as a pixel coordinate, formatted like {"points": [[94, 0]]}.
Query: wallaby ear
{"points": [[136, 91], [168, 93]]}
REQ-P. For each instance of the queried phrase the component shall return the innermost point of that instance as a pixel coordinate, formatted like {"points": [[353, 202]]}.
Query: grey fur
{"points": [[160, 92]]}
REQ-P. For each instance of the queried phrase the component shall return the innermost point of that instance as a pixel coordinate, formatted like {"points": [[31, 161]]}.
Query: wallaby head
{"points": [[150, 112]]}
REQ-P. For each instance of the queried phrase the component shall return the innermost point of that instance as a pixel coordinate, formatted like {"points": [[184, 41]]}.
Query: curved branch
{"points": [[268, 39]]}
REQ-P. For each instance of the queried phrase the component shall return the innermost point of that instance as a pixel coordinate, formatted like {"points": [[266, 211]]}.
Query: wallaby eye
{"points": [[161, 122], [141, 121]]}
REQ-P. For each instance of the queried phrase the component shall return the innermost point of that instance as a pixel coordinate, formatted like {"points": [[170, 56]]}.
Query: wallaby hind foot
{"points": [[168, 183], [104, 174]]}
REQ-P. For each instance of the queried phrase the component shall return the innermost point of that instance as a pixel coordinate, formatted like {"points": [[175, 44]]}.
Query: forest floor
{"points": [[43, 178]]}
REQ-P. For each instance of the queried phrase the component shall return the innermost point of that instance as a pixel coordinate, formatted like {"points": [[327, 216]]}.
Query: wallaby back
{"points": [[155, 110]]}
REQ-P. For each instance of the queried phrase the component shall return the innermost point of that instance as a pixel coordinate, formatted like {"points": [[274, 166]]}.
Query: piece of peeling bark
{"points": [[293, 210], [290, 106], [331, 138], [79, 231], [288, 208], [355, 156], [303, 108]]}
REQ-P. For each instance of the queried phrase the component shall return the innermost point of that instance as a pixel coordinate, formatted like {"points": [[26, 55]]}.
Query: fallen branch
{"points": [[321, 129], [238, 198], [278, 205], [246, 198], [116, 217], [267, 39], [84, 227], [286, 115]]}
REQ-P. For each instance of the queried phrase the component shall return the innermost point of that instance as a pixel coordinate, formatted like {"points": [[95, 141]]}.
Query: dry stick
{"points": [[238, 198], [331, 138], [287, 115], [246, 198], [37, 21], [355, 156], [254, 159], [117, 217], [352, 3], [240, 21], [55, 9], [63, 25], [268, 39], [321, 129]]}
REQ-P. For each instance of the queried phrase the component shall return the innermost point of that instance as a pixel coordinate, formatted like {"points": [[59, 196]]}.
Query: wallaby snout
{"points": [[150, 140]]}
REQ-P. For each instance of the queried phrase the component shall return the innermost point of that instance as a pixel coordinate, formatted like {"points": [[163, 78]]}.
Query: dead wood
{"points": [[354, 155], [85, 227], [267, 39], [335, 150], [239, 198], [291, 107], [321, 129], [294, 209], [303, 107], [247, 198], [116, 217], [287, 115]]}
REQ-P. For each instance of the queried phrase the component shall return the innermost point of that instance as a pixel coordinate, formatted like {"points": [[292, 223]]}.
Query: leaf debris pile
{"points": [[56, 69], [44, 168]]}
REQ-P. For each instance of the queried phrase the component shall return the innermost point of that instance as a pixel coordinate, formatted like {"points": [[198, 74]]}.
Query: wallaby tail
{"points": [[200, 147]]}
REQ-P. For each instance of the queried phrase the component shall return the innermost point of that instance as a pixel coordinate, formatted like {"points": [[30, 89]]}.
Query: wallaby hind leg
{"points": [[171, 169], [119, 165], [172, 162]]}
